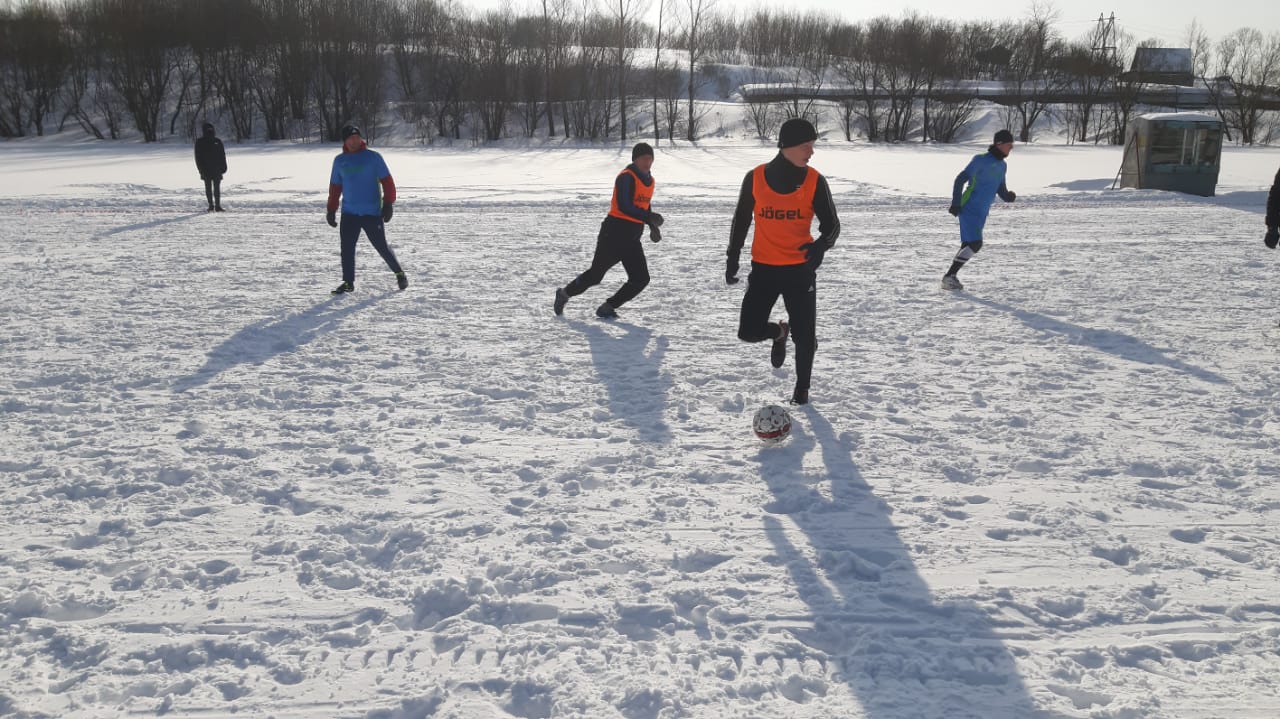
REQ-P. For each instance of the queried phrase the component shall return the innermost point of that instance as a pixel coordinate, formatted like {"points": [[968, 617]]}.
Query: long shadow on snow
{"points": [[1254, 201], [1119, 344], [148, 224], [637, 387], [903, 654], [267, 338]]}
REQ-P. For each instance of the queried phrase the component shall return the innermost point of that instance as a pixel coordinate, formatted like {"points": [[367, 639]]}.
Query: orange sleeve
{"points": [[335, 192], [388, 190]]}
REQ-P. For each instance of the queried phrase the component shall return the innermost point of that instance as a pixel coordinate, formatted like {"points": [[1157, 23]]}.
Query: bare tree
{"points": [[90, 97], [556, 31], [1088, 70], [491, 58], [13, 108], [1125, 91], [906, 71], [1248, 70], [140, 55], [951, 58], [528, 91], [343, 37], [590, 76], [1197, 40], [223, 37], [1032, 81], [284, 69], [34, 67], [625, 15], [419, 31], [695, 19], [860, 62], [657, 69]]}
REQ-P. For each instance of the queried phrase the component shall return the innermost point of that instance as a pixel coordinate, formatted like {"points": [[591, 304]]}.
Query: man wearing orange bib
{"points": [[782, 198], [619, 238]]}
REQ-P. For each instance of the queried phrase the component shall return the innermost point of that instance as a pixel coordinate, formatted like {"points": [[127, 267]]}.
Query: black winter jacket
{"points": [[211, 158], [1273, 203]]}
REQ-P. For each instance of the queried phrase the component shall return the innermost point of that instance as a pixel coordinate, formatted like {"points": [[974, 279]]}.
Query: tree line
{"points": [[592, 69]]}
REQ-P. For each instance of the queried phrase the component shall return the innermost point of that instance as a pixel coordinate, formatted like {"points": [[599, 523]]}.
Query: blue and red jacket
{"points": [[363, 182]]}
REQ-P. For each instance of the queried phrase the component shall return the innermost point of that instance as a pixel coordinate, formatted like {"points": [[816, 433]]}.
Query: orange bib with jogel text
{"points": [[782, 221]]}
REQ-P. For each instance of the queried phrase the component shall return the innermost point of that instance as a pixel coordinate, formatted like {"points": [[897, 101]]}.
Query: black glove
{"points": [[654, 234], [386, 212], [954, 209], [1012, 196], [731, 270], [331, 217], [655, 219], [1272, 237], [813, 254]]}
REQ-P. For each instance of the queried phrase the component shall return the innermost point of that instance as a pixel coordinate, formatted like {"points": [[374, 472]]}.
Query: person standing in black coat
{"points": [[211, 161], [1272, 238]]}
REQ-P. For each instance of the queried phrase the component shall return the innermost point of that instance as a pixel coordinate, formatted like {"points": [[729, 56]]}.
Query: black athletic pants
{"points": [[213, 191], [797, 287], [618, 241], [349, 231]]}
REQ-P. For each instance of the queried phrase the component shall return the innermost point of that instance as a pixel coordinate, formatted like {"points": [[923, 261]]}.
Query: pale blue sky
{"points": [[1165, 19]]}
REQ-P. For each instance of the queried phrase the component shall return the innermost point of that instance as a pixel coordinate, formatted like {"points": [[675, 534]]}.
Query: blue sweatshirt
{"points": [[359, 173]]}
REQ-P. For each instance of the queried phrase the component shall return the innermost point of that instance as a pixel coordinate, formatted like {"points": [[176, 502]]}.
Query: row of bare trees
{"points": [[892, 79], [302, 68]]}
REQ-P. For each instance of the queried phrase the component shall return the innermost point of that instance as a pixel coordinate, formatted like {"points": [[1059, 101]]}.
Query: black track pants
{"points": [[213, 191], [618, 241], [796, 285]]}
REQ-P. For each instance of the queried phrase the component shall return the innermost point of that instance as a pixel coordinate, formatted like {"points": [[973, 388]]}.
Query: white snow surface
{"points": [[225, 492]]}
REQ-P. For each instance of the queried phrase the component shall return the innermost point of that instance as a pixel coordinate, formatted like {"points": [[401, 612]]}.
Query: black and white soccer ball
{"points": [[772, 423]]}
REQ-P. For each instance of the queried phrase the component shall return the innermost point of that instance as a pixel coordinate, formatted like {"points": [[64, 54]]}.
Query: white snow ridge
{"points": [[1050, 495]]}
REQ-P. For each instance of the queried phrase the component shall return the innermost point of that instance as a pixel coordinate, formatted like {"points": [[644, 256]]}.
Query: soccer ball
{"points": [[772, 423]]}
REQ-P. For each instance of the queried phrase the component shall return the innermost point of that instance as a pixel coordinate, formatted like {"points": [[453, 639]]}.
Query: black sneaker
{"points": [[779, 353], [210, 209], [218, 208], [562, 298], [402, 281], [800, 396], [343, 288], [606, 311]]}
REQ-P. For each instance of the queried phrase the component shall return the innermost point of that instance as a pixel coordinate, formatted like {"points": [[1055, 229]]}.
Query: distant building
{"points": [[1180, 151], [1161, 66]]}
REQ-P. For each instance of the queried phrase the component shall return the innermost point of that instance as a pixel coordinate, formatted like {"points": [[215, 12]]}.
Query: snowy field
{"points": [[227, 493]]}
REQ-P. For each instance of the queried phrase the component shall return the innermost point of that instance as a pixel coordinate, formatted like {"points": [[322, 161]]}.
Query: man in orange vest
{"points": [[782, 198], [619, 238]]}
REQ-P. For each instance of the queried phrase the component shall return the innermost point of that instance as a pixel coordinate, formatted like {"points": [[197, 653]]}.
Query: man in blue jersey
{"points": [[975, 189], [361, 180]]}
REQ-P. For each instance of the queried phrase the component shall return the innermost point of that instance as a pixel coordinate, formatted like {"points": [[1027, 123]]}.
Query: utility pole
{"points": [[1104, 47]]}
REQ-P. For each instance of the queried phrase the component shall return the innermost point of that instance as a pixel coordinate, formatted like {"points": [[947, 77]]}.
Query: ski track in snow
{"points": [[1050, 495]]}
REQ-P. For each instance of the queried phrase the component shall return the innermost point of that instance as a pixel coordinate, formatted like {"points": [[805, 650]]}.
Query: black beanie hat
{"points": [[208, 128], [350, 130], [640, 150], [796, 131], [1003, 136]]}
